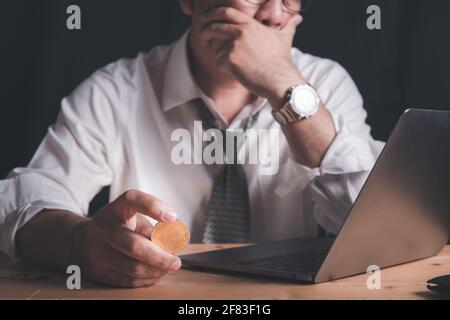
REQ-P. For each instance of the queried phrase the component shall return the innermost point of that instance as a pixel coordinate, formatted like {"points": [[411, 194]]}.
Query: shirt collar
{"points": [[179, 85]]}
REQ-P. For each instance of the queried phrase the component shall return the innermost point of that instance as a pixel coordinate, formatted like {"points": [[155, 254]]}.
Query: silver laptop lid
{"points": [[402, 213]]}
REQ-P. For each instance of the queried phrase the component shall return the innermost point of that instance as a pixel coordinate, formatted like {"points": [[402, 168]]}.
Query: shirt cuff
{"points": [[348, 153], [19, 205]]}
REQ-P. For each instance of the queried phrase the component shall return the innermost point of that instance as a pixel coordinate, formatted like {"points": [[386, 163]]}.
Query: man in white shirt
{"points": [[116, 129]]}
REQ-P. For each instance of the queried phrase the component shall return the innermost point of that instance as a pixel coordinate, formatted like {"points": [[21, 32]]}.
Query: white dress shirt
{"points": [[115, 129]]}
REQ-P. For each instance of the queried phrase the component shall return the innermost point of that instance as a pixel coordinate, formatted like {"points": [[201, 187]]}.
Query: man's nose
{"points": [[271, 14]]}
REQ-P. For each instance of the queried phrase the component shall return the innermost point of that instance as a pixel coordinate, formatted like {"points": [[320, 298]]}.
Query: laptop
{"points": [[401, 214]]}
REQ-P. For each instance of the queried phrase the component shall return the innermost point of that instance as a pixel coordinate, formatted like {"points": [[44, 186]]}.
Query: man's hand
{"points": [[116, 249], [259, 57]]}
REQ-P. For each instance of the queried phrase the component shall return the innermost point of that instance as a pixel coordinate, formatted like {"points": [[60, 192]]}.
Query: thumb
{"points": [[292, 24]]}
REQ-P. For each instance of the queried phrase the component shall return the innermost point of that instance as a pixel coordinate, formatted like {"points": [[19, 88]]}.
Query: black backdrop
{"points": [[405, 64]]}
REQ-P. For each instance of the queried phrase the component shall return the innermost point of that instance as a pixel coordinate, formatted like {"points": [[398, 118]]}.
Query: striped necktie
{"points": [[228, 217]]}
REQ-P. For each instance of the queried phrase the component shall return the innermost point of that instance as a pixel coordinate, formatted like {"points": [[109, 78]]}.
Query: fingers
{"points": [[226, 14], [222, 50], [130, 267], [128, 204], [143, 250], [114, 278], [143, 226], [116, 255], [219, 31], [292, 24]]}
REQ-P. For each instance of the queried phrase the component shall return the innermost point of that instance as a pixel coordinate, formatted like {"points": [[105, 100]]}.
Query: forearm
{"points": [[308, 139], [52, 239]]}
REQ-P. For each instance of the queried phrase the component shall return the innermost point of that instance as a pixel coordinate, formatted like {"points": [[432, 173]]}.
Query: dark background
{"points": [[406, 64]]}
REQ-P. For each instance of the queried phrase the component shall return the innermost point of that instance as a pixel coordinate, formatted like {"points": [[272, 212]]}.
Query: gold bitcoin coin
{"points": [[171, 236]]}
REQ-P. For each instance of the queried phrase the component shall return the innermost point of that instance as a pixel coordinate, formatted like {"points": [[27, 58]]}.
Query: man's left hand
{"points": [[259, 57]]}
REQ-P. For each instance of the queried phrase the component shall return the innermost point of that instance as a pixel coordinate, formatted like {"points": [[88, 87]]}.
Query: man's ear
{"points": [[187, 6]]}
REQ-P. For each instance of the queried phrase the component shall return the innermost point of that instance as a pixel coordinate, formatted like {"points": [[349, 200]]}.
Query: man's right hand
{"points": [[116, 248]]}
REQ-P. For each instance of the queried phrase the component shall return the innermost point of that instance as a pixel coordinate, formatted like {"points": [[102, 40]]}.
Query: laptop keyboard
{"points": [[303, 262]]}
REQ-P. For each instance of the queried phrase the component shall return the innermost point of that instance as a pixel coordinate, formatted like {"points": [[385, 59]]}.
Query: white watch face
{"points": [[304, 101]]}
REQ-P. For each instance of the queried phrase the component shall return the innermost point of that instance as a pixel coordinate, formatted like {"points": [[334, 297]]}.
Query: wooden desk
{"points": [[402, 282]]}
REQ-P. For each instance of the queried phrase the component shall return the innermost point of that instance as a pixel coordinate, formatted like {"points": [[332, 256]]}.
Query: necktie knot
{"points": [[230, 140]]}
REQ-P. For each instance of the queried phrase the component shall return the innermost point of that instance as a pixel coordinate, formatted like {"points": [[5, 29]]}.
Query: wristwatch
{"points": [[302, 102]]}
